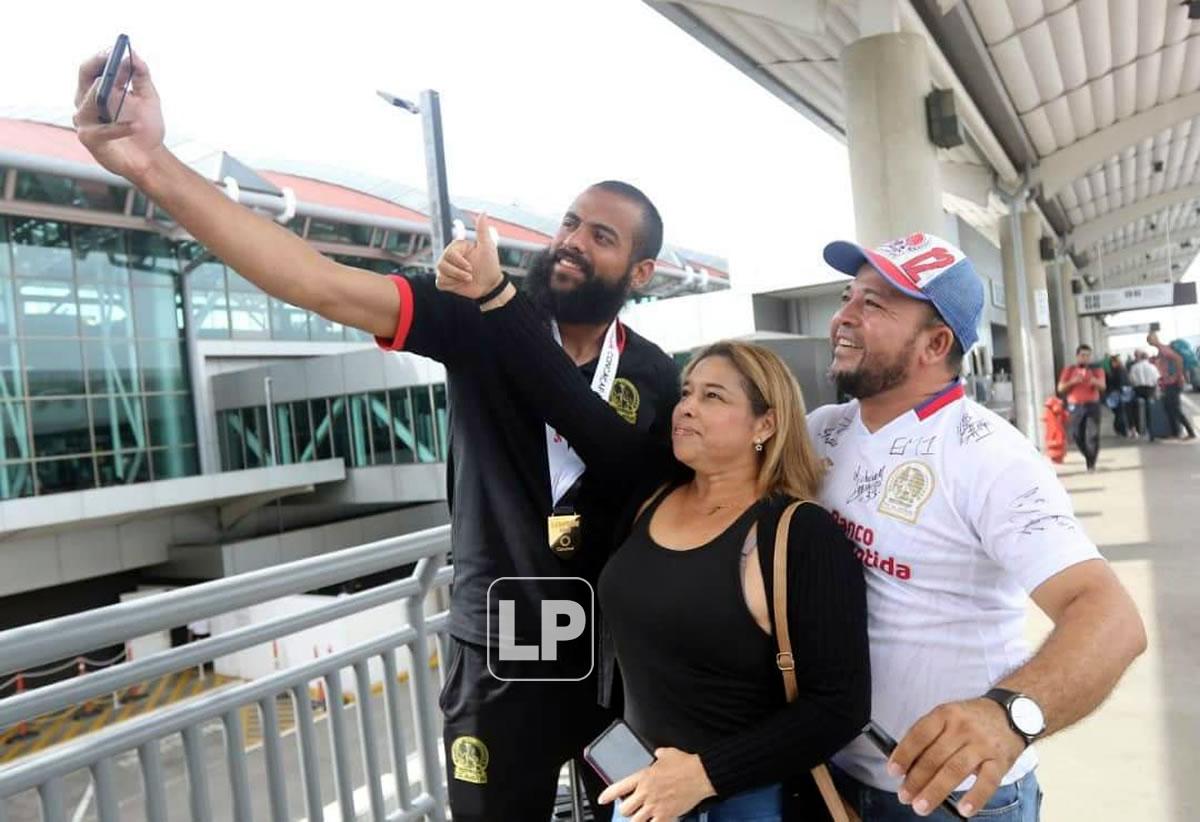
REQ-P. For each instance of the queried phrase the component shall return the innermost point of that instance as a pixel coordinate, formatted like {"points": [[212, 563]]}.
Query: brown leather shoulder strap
{"points": [[838, 810]]}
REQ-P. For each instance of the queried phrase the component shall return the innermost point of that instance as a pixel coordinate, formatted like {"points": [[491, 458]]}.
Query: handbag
{"points": [[839, 809]]}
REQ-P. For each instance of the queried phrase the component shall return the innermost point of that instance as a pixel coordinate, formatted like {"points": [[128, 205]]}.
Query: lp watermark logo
{"points": [[541, 629]]}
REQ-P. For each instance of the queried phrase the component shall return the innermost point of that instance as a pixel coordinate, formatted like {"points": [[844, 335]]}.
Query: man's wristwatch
{"points": [[1025, 716]]}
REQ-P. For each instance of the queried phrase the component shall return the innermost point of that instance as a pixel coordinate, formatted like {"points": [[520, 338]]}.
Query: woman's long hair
{"points": [[788, 464]]}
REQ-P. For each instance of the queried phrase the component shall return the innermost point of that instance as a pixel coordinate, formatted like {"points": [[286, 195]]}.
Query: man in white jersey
{"points": [[957, 520]]}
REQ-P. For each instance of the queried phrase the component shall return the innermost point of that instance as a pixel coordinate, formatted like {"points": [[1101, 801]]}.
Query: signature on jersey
{"points": [[1030, 516], [866, 484], [973, 430]]}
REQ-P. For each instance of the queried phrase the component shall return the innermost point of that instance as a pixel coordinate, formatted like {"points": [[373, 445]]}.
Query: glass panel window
{"points": [[111, 367], [154, 309], [288, 322], [16, 480], [330, 232], [230, 425], [51, 188], [402, 424], [254, 435], [424, 424], [380, 420], [105, 310], [248, 315], [8, 307], [284, 435], [152, 260], [100, 255], [302, 431], [118, 423], [170, 463], [123, 468], [202, 270], [75, 474], [14, 432], [360, 450], [170, 420], [162, 365], [5, 268], [53, 368], [210, 314], [60, 427], [340, 428], [398, 241], [441, 414], [40, 248], [47, 308], [323, 330], [12, 375], [322, 427]]}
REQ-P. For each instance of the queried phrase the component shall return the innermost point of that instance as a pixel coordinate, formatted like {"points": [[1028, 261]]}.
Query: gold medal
{"points": [[563, 532]]}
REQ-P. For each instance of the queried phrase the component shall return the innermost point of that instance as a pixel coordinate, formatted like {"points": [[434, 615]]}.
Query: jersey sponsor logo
{"points": [[909, 487], [856, 532], [625, 400], [470, 757], [863, 538]]}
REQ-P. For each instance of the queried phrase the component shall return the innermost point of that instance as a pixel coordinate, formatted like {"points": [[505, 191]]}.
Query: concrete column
{"points": [[1070, 330], [894, 173], [1019, 336], [1035, 278]]}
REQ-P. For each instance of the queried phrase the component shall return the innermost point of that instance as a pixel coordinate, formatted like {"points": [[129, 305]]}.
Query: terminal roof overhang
{"points": [[44, 143], [1096, 101]]}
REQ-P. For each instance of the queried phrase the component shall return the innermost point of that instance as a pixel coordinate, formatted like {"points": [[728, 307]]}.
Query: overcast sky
{"points": [[539, 98]]}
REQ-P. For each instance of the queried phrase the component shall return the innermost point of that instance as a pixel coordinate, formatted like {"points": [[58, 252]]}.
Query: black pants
{"points": [[1144, 399], [506, 742], [1085, 430], [1173, 405]]}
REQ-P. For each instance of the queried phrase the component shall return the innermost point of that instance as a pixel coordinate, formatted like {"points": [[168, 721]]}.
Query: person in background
{"points": [[1119, 396], [1143, 377], [1171, 380], [1083, 385]]}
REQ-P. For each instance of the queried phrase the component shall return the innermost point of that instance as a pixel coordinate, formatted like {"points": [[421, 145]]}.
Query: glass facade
{"points": [[94, 387], [400, 426]]}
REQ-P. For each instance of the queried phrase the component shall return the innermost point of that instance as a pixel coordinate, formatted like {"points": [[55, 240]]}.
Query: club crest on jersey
{"points": [[909, 487], [470, 757], [625, 400]]}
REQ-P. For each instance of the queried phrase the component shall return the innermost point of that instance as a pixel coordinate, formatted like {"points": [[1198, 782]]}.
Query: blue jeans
{"points": [[1019, 802], [755, 805]]}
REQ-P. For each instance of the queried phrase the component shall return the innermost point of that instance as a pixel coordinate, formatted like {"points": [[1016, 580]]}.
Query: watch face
{"points": [[1027, 716]]}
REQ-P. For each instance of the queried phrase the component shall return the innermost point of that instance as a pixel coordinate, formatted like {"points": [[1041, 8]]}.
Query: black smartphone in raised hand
{"points": [[882, 740], [617, 753], [115, 80]]}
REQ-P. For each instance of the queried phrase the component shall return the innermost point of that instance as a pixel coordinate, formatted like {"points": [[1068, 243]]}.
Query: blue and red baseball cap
{"points": [[924, 267]]}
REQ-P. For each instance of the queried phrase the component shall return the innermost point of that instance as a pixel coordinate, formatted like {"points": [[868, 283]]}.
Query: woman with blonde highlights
{"points": [[685, 598]]}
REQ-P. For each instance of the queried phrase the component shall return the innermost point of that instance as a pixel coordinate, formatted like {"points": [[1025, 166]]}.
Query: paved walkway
{"points": [[1138, 756]]}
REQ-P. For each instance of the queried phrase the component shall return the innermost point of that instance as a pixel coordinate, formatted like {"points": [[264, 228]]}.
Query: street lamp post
{"points": [[430, 110]]}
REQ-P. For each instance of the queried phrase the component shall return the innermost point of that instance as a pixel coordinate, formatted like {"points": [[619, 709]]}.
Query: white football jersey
{"points": [[956, 519]]}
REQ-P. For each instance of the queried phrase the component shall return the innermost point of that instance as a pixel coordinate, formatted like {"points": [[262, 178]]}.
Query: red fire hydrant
{"points": [[1054, 418]]}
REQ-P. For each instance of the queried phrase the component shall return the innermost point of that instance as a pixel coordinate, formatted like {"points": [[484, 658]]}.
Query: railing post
{"points": [[426, 706]]}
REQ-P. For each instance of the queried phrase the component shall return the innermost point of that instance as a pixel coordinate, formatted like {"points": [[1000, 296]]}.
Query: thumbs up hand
{"points": [[468, 268]]}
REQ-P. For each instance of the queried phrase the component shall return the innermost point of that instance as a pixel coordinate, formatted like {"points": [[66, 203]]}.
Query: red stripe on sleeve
{"points": [[404, 317]]}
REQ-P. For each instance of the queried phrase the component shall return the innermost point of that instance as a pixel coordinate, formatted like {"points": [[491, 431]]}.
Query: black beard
{"points": [[869, 379], [592, 302]]}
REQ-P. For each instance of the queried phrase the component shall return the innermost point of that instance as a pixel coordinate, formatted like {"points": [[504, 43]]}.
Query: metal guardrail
{"points": [[54, 639]]}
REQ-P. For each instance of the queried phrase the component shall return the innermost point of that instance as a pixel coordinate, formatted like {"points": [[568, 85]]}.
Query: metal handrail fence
{"points": [[55, 639]]}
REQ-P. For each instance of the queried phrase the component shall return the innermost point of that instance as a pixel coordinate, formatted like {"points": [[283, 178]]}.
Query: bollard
{"points": [[24, 729], [134, 692], [88, 708]]}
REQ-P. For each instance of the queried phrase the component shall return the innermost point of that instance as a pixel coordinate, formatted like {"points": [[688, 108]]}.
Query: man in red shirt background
{"points": [[1083, 386], [1170, 366]]}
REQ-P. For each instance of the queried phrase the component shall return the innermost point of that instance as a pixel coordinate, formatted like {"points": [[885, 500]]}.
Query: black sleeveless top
{"points": [[696, 666]]}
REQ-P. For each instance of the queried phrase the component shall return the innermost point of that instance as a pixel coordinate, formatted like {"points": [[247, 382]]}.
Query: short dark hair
{"points": [[1082, 348], [954, 357], [648, 240]]}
